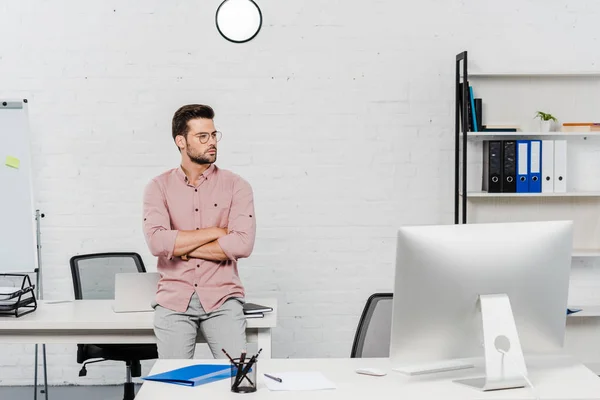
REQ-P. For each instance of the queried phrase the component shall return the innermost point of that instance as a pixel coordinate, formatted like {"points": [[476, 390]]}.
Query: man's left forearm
{"points": [[210, 251]]}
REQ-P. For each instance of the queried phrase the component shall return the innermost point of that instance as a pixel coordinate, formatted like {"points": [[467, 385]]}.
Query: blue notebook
{"points": [[193, 375]]}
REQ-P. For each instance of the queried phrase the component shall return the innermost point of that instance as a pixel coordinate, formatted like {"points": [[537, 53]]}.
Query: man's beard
{"points": [[202, 159]]}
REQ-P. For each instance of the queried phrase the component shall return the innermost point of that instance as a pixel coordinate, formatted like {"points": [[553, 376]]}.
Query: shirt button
{"points": [[195, 190], [195, 284], [196, 209], [198, 266], [197, 228]]}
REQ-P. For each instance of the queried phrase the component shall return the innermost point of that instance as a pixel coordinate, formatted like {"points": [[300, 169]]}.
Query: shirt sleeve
{"points": [[160, 238], [239, 241]]}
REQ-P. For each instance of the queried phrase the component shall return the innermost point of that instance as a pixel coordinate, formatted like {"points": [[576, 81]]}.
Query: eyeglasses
{"points": [[204, 137]]}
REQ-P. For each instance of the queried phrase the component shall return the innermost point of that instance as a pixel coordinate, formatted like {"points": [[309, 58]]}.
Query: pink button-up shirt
{"points": [[222, 199]]}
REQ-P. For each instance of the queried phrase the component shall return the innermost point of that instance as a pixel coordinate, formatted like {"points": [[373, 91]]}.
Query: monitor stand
{"points": [[504, 362]]}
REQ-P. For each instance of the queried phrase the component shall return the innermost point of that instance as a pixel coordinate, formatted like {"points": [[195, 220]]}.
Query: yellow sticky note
{"points": [[12, 162]]}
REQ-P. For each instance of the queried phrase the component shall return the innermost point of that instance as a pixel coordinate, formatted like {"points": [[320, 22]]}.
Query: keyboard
{"points": [[433, 367]]}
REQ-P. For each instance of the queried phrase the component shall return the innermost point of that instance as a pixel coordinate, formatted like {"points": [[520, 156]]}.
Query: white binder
{"points": [[547, 166], [560, 166]]}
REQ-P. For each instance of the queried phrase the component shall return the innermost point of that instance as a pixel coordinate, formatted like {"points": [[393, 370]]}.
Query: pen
{"points": [[236, 365], [253, 359], [258, 354], [274, 378], [239, 374]]}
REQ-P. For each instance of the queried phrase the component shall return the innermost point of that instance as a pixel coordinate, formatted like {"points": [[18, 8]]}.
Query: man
{"points": [[198, 220]]}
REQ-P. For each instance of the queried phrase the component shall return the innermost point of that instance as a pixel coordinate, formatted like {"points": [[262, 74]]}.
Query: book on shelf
{"points": [[467, 103], [581, 127], [487, 129], [474, 108], [499, 126], [479, 113]]}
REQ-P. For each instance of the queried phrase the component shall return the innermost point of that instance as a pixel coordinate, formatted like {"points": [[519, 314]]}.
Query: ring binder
{"points": [[15, 298]]}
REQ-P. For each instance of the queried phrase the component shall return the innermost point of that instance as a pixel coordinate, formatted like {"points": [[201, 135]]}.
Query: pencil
{"points": [[230, 359]]}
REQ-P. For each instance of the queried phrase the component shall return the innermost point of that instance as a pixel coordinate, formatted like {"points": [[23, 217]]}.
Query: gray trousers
{"points": [[224, 328]]}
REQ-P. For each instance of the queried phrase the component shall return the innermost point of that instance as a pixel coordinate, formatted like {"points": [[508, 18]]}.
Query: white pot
{"points": [[545, 126]]}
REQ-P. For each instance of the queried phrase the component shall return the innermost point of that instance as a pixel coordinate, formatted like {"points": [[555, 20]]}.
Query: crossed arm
{"points": [[201, 243], [214, 244]]}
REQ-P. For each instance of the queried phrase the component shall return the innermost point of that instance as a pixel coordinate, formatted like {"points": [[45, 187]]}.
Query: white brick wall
{"points": [[339, 113]]}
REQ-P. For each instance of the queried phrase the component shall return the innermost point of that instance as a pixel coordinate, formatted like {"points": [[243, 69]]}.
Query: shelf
{"points": [[480, 136], [513, 195], [586, 252], [524, 74], [586, 311]]}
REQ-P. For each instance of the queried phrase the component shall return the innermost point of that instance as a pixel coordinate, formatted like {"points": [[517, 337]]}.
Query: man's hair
{"points": [[186, 113]]}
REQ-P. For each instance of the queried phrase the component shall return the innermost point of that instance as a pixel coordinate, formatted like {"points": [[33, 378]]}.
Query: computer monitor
{"points": [[442, 270]]}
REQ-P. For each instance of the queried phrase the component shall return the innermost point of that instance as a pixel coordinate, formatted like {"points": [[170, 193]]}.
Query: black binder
{"points": [[509, 169], [492, 166]]}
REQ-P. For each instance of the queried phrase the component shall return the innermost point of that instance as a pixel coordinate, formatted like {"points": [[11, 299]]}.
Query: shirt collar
{"points": [[209, 171]]}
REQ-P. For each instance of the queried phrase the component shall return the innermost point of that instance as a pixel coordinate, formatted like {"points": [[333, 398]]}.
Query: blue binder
{"points": [[193, 375], [535, 166], [522, 166]]}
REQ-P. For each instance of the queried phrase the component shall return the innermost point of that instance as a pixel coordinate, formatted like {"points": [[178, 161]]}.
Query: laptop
{"points": [[135, 291]]}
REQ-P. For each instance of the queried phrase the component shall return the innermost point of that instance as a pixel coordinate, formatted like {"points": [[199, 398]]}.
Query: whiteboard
{"points": [[18, 251]]}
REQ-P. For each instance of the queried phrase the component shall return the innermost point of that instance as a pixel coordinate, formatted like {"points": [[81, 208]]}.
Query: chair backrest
{"points": [[372, 338], [94, 274]]}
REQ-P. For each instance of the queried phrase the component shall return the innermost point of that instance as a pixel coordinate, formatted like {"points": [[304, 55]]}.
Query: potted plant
{"points": [[545, 121]]}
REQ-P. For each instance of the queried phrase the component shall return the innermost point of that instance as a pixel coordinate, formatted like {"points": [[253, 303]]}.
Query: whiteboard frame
{"points": [[24, 105]]}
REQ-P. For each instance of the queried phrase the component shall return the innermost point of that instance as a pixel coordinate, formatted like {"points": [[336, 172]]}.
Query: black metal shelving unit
{"points": [[460, 174]]}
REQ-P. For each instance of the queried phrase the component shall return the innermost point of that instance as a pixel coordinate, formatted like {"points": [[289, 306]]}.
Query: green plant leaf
{"points": [[545, 116]]}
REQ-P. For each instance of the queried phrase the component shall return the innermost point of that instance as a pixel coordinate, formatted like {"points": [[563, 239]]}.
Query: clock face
{"points": [[238, 20]]}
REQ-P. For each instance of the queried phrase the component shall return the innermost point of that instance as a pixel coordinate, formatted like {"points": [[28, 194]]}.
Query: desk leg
{"points": [[35, 376], [35, 368], [45, 372], [264, 342]]}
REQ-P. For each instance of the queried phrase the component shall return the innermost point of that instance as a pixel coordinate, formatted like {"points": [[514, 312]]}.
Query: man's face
{"points": [[200, 143]]}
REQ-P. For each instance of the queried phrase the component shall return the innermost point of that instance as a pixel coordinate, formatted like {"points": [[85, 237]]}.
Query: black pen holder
{"points": [[243, 376]]}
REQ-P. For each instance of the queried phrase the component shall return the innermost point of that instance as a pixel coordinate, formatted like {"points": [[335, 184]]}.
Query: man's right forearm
{"points": [[187, 241]]}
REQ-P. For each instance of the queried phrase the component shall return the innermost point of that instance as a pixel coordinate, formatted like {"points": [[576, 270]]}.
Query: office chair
{"points": [[94, 278], [373, 334]]}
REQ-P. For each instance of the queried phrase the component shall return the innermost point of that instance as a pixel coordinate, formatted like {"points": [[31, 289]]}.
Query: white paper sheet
{"points": [[298, 381], [6, 292]]}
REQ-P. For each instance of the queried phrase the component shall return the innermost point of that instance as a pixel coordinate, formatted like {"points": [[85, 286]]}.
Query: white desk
{"points": [[94, 321], [554, 378]]}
